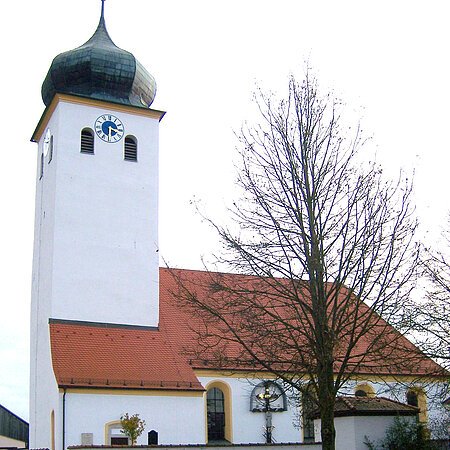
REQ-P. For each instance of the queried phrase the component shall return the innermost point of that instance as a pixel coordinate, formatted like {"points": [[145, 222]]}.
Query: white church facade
{"points": [[108, 337]]}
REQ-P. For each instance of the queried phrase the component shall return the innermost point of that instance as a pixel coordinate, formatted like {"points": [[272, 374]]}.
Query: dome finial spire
{"points": [[99, 69]]}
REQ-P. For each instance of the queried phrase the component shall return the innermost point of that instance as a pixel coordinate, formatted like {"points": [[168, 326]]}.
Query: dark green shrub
{"points": [[404, 434]]}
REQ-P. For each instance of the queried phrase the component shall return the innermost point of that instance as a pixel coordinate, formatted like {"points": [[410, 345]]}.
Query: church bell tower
{"points": [[96, 234], [96, 221]]}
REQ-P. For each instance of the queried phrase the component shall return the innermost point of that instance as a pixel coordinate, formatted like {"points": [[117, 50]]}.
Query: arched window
{"points": [[87, 141], [364, 390], [218, 411], [268, 396], [114, 435], [130, 148], [216, 414], [416, 397]]}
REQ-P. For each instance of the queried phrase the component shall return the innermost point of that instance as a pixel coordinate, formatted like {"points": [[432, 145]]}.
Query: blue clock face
{"points": [[109, 128]]}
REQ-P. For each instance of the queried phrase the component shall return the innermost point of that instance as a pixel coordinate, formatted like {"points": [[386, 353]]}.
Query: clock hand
{"points": [[112, 129]]}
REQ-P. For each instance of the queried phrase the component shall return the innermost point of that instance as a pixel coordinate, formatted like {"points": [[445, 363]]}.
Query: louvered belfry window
{"points": [[50, 150], [130, 149], [87, 141], [41, 166]]}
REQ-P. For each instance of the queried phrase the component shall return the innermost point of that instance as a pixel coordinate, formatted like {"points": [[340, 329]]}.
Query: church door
{"points": [[216, 415]]}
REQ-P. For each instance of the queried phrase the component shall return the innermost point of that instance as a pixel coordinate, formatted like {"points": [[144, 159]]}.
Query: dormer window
{"points": [[412, 398], [415, 396], [87, 141], [130, 149], [364, 390]]}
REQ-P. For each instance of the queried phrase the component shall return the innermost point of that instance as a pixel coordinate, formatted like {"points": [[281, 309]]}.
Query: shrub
{"points": [[404, 434], [132, 426]]}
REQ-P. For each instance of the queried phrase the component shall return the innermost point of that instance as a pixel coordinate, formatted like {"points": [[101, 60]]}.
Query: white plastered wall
{"points": [[97, 231], [43, 387], [353, 432], [178, 419]]}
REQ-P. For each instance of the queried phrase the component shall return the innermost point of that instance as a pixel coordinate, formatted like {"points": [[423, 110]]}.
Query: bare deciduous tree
{"points": [[327, 249], [431, 319]]}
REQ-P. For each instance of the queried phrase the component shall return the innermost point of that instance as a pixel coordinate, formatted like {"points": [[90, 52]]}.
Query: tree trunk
{"points": [[328, 432], [326, 405]]}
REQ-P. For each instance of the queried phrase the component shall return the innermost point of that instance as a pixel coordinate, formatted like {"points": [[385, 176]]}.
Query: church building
{"points": [[107, 334]]}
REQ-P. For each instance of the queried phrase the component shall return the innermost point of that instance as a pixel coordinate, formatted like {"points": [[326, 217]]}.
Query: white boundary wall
{"points": [[252, 446]]}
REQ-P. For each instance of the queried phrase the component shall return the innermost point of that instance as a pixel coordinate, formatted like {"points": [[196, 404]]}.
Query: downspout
{"points": [[64, 421]]}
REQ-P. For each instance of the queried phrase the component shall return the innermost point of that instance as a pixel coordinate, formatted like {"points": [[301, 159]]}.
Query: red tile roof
{"points": [[181, 325], [96, 355], [93, 356]]}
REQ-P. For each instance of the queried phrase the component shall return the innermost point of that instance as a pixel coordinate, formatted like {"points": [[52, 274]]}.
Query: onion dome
{"points": [[100, 70]]}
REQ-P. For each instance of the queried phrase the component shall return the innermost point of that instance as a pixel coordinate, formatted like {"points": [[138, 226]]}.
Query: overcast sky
{"points": [[387, 59]]}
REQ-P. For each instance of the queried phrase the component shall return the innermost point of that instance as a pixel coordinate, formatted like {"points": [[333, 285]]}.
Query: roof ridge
{"points": [[397, 402]]}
